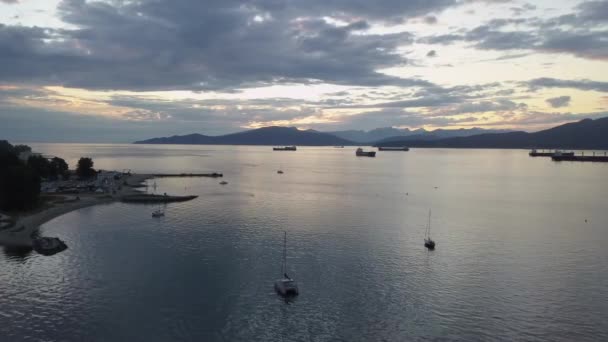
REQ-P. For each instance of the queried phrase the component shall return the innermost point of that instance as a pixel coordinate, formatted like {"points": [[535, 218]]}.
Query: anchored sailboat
{"points": [[428, 242], [285, 286]]}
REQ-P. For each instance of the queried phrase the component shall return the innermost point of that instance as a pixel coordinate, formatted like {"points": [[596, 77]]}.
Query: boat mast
{"points": [[285, 254], [428, 227]]}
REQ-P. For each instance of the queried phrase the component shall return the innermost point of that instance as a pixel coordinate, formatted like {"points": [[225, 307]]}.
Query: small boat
{"points": [[223, 182], [361, 153], [284, 148], [338, 146], [158, 213], [388, 148], [286, 286], [280, 172], [428, 242]]}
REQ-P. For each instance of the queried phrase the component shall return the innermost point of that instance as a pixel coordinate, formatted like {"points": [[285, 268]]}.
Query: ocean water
{"points": [[515, 258]]}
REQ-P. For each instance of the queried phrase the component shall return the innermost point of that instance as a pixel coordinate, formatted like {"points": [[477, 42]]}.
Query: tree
{"points": [[19, 187], [59, 167], [85, 168], [41, 166], [21, 148], [19, 183]]}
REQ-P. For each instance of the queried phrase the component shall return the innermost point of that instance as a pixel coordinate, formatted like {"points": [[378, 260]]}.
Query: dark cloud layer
{"points": [[547, 82], [218, 45], [582, 34]]}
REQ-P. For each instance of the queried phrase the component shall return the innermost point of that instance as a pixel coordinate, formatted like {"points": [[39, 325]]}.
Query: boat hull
{"points": [[286, 288], [366, 154], [402, 149]]}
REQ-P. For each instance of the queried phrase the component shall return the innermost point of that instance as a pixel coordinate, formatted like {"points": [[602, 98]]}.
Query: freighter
{"points": [[387, 148], [284, 148], [361, 153]]}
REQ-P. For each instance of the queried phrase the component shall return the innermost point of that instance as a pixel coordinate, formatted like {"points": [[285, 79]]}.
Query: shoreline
{"points": [[20, 234]]}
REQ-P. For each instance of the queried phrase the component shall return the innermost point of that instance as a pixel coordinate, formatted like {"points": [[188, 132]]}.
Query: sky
{"points": [[126, 70]]}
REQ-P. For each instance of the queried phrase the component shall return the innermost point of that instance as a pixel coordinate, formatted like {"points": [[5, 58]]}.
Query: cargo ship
{"points": [[535, 153], [393, 148], [284, 148], [361, 153]]}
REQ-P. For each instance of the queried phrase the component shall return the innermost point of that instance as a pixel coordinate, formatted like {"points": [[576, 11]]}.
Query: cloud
{"points": [[430, 19], [547, 82], [497, 105], [522, 9], [582, 33], [560, 101], [585, 44], [219, 45], [9, 1]]}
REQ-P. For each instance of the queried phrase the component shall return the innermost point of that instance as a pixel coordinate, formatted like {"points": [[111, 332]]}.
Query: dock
{"points": [[582, 158]]}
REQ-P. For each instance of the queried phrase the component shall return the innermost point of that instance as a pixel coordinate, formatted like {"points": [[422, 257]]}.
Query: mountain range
{"points": [[378, 134], [273, 135], [584, 134]]}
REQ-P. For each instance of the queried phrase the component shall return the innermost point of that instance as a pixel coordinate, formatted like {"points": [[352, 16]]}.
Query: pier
{"points": [[602, 158], [165, 175], [543, 153], [146, 198]]}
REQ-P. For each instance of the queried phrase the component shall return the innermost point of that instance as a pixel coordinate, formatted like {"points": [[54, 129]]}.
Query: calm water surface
{"points": [[515, 259]]}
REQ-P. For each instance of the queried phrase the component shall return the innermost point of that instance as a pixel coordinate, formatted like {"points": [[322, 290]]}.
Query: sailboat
{"points": [[285, 286], [428, 242], [158, 213]]}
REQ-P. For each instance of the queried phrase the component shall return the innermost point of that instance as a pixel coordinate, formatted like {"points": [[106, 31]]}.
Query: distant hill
{"points": [[261, 136], [584, 134], [391, 133]]}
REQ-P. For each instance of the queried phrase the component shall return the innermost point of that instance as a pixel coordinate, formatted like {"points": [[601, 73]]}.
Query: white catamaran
{"points": [[285, 286]]}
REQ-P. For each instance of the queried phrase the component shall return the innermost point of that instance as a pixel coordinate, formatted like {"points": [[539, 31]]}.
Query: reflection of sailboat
{"points": [[285, 286], [428, 242], [158, 212]]}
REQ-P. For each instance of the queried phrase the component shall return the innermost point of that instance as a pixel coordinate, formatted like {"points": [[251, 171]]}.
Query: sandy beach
{"points": [[26, 225]]}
